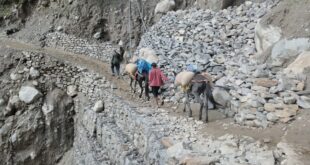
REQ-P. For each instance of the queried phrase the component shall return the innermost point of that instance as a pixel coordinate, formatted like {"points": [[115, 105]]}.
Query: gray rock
{"points": [[97, 35], [164, 6], [266, 36], [258, 73], [12, 106], [304, 102], [289, 100], [59, 28], [221, 96], [285, 50], [29, 94], [250, 116], [72, 90], [34, 73], [272, 117], [99, 106], [15, 76]]}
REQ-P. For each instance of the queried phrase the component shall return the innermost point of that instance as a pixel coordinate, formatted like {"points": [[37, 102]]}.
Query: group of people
{"points": [[153, 74]]}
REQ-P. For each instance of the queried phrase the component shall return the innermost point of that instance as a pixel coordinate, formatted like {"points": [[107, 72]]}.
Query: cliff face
{"points": [[108, 19]]}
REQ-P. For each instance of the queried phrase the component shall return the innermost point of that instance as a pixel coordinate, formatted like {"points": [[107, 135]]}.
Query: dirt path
{"points": [[296, 133]]}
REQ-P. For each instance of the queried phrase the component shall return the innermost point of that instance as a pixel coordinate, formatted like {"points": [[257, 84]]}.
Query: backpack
{"points": [[143, 66]]}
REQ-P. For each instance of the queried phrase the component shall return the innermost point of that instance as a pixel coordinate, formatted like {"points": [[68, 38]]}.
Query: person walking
{"points": [[156, 80], [116, 60]]}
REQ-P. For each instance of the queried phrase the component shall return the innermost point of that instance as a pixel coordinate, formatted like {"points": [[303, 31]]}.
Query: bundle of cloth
{"points": [[190, 75]]}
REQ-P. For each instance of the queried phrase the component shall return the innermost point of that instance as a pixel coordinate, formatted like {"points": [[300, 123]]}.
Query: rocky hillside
{"points": [[36, 118], [106, 20]]}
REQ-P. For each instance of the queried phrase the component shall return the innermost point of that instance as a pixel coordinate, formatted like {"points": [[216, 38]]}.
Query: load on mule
{"points": [[196, 84], [139, 69]]}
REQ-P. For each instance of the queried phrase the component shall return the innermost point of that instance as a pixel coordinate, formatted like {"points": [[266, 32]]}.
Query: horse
{"points": [[199, 85], [138, 78]]}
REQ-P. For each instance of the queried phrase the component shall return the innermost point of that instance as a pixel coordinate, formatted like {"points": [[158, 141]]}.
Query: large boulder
{"points": [[214, 4], [29, 94], [56, 100], [99, 106], [300, 63], [266, 36], [12, 106], [164, 6], [285, 51], [304, 102], [221, 96]]}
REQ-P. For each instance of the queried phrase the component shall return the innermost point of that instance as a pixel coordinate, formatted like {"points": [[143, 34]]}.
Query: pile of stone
{"points": [[223, 43], [102, 51]]}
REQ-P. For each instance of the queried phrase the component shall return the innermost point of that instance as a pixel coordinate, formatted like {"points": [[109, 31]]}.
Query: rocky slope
{"points": [[223, 43], [106, 20], [36, 118]]}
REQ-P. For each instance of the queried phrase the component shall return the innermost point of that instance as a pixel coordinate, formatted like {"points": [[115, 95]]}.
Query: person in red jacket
{"points": [[156, 80]]}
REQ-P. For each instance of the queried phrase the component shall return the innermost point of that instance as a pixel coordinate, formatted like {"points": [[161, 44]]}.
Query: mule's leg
{"points": [[186, 98], [135, 88], [131, 80], [187, 103], [200, 101], [146, 86], [117, 67], [141, 86], [112, 68], [206, 100]]}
